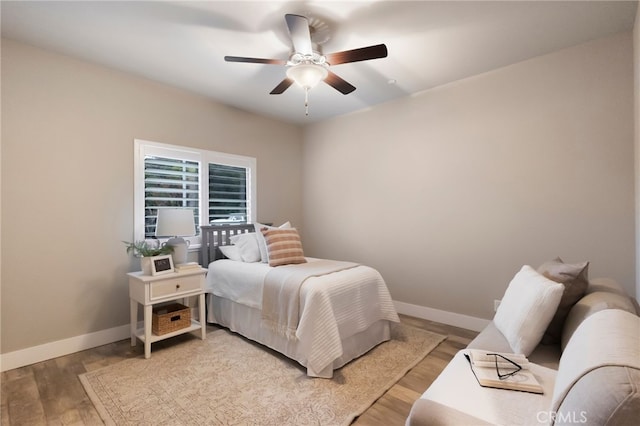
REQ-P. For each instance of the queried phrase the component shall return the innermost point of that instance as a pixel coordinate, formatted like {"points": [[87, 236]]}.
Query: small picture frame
{"points": [[161, 264]]}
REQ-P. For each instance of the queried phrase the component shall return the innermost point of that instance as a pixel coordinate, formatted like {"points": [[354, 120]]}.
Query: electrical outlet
{"points": [[496, 303]]}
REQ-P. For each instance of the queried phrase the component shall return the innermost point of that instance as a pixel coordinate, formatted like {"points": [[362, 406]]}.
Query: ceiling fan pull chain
{"points": [[306, 101]]}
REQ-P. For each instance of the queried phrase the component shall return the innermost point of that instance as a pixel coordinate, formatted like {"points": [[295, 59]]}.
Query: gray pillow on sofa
{"points": [[574, 277]]}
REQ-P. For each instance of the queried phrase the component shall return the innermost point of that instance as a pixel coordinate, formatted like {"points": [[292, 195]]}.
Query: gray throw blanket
{"points": [[281, 292]]}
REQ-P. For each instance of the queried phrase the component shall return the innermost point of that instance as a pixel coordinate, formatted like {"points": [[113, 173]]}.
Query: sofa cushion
{"points": [[598, 375], [574, 277], [425, 412], [605, 284], [589, 305], [527, 308], [456, 387], [607, 395], [490, 339]]}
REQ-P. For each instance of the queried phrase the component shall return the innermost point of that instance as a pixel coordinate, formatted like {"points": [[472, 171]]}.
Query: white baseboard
{"points": [[444, 317], [46, 351]]}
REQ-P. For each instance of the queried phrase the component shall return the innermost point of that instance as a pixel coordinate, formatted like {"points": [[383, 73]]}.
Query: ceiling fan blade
{"points": [[284, 85], [300, 34], [356, 55], [255, 60], [339, 84]]}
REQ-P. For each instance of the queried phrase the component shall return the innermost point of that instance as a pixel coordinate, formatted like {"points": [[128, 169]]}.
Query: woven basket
{"points": [[168, 318]]}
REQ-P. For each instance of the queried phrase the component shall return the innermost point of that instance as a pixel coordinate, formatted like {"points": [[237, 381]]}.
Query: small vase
{"points": [[145, 264]]}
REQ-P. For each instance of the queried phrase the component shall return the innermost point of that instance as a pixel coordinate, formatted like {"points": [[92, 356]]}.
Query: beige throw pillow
{"points": [[283, 246], [574, 277], [262, 245]]}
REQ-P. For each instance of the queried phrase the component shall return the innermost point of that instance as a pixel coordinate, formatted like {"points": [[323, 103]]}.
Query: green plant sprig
{"points": [[144, 249]]}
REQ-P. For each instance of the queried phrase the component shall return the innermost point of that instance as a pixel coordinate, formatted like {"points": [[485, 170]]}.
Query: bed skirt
{"points": [[247, 321]]}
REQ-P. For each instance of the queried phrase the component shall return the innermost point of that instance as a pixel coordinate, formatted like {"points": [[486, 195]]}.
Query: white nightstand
{"points": [[150, 290]]}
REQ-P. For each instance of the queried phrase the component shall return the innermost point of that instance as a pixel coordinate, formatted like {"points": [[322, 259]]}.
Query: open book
{"points": [[502, 371]]}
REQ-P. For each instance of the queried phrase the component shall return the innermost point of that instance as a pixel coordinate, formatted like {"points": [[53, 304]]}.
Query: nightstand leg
{"points": [[203, 320], [133, 316], [147, 330]]}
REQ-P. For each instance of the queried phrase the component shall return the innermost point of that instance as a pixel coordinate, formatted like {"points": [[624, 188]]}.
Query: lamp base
{"points": [[180, 247]]}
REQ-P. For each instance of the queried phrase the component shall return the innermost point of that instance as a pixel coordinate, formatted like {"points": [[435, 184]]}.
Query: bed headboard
{"points": [[214, 236]]}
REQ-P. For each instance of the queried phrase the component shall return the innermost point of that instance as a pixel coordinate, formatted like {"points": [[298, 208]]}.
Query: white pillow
{"points": [[231, 252], [264, 254], [526, 309], [248, 246]]}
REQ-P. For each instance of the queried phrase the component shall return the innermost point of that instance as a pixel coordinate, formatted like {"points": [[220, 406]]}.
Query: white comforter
{"points": [[332, 306]]}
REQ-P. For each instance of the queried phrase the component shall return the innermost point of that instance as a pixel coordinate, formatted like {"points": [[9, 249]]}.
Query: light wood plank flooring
{"points": [[49, 392], [393, 407]]}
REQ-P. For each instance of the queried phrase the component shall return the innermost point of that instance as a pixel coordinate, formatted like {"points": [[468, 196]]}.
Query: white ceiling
{"points": [[430, 43]]}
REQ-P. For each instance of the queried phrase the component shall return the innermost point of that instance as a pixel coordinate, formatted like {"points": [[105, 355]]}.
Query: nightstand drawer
{"points": [[175, 286]]}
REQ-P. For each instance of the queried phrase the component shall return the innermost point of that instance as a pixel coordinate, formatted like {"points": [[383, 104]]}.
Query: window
{"points": [[218, 187], [169, 182], [227, 193]]}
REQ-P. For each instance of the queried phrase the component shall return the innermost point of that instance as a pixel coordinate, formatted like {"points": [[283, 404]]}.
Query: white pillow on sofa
{"points": [[526, 309]]}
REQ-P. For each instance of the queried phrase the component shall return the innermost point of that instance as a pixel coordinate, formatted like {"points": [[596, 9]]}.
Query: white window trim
{"points": [[143, 148]]}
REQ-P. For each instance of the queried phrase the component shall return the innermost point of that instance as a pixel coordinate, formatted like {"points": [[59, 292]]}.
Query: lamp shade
{"points": [[175, 222], [307, 75]]}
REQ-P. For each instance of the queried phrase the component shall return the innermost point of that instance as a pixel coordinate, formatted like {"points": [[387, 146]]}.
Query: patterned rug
{"points": [[228, 380]]}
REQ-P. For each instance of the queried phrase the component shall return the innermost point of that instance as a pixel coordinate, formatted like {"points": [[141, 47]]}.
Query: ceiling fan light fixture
{"points": [[307, 75]]}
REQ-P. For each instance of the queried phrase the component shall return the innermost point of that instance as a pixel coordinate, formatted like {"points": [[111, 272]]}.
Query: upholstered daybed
{"points": [[590, 372]]}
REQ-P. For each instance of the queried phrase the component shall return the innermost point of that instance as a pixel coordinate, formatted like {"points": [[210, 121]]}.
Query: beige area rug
{"points": [[227, 380]]}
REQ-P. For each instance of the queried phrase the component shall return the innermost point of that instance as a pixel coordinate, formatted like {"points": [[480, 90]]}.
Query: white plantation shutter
{"points": [[227, 191], [215, 185], [169, 182]]}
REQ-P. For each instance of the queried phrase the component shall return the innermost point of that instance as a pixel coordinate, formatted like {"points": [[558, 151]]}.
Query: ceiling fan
{"points": [[307, 67]]}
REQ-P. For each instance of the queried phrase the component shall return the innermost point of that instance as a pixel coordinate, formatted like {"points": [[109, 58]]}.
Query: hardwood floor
{"points": [[49, 392], [393, 407]]}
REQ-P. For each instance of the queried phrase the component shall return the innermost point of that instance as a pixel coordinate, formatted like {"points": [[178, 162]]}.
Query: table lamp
{"points": [[176, 223]]}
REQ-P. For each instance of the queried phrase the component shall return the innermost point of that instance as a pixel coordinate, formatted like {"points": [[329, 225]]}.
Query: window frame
{"points": [[143, 148]]}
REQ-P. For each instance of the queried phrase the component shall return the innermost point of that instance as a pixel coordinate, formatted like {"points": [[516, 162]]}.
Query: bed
{"points": [[340, 314]]}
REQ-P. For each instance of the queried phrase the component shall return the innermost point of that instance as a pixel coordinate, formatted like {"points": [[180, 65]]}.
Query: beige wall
{"points": [[636, 115], [450, 192], [67, 184]]}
